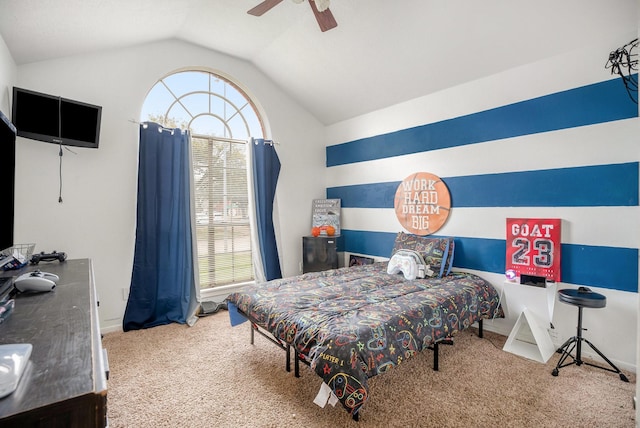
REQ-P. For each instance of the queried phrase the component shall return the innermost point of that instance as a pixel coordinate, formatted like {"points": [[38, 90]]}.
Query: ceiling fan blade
{"points": [[325, 19], [263, 7]]}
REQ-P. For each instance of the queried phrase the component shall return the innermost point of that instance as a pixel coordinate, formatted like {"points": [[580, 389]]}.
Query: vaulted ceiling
{"points": [[381, 53]]}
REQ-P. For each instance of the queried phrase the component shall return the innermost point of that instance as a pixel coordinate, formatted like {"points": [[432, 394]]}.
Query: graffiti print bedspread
{"points": [[354, 323]]}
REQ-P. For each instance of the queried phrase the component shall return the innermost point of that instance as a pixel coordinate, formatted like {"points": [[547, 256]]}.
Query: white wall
{"points": [[97, 216], [8, 71], [613, 329]]}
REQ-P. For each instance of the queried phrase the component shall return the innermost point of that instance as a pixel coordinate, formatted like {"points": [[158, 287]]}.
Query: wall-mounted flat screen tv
{"points": [[54, 119]]}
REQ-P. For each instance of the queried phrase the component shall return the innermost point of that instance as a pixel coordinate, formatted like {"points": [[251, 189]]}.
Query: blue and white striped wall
{"points": [[584, 189], [507, 146]]}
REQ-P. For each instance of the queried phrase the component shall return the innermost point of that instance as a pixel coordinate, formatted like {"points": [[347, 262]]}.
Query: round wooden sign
{"points": [[422, 203]]}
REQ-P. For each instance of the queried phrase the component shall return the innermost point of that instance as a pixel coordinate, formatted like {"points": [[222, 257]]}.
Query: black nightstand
{"points": [[319, 253]]}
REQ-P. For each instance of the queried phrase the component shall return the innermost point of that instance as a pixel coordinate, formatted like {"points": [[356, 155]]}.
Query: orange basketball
{"points": [[315, 231], [330, 230]]}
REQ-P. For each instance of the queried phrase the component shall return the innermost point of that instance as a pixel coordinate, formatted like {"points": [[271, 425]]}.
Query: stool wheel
{"points": [[555, 372]]}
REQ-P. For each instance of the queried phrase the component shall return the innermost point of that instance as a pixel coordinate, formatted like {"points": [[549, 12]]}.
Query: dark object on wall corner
{"points": [[7, 178], [624, 62], [55, 119]]}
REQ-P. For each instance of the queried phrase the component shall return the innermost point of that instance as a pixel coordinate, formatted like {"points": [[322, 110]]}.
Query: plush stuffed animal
{"points": [[410, 263]]}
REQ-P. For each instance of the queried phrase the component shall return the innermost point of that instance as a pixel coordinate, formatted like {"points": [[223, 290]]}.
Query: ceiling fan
{"points": [[320, 9]]}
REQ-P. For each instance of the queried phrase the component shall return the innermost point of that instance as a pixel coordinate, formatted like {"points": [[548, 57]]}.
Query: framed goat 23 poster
{"points": [[422, 203], [533, 247]]}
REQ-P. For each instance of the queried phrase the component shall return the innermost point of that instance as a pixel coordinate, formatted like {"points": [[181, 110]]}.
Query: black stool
{"points": [[583, 297]]}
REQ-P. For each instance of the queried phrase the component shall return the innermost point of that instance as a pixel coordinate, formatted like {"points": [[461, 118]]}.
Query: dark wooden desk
{"points": [[64, 383]]}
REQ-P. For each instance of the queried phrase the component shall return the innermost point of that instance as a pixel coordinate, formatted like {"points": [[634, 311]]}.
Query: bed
{"points": [[353, 323]]}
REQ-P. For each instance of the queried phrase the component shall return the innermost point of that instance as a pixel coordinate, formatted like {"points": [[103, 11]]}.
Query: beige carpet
{"points": [[209, 375]]}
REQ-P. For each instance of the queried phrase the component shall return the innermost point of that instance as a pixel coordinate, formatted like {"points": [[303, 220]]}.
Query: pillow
{"points": [[434, 251], [452, 245], [410, 263]]}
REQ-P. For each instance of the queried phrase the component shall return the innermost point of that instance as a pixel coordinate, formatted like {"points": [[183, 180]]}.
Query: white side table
{"points": [[534, 306]]}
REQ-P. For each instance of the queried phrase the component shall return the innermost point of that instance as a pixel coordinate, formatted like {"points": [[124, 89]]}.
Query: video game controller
{"points": [[45, 257], [409, 263], [403, 264], [36, 281]]}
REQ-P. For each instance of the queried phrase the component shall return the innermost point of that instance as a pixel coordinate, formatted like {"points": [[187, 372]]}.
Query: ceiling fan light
{"points": [[297, 1], [322, 5]]}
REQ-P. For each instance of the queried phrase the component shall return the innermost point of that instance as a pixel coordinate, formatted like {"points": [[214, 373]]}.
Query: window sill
{"points": [[221, 292]]}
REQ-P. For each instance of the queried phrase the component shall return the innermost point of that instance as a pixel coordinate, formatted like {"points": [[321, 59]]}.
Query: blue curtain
{"points": [[162, 281], [266, 168]]}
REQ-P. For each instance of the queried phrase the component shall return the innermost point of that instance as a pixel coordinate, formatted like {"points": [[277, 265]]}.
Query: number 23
{"points": [[543, 256]]}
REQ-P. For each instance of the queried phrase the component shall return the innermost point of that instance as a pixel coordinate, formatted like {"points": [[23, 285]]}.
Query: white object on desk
{"points": [[13, 360], [534, 306]]}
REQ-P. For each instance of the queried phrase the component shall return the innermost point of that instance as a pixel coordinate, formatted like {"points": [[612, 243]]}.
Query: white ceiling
{"points": [[383, 52]]}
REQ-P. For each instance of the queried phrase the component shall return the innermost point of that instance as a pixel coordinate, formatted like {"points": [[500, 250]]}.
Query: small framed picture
{"points": [[359, 260]]}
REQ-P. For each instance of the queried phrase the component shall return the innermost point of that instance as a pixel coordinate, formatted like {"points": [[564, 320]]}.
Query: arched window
{"points": [[221, 118], [204, 102]]}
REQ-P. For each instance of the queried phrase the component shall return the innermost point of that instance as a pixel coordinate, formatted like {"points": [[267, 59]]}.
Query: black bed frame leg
{"points": [[288, 358], [436, 364], [296, 364], [436, 351], [480, 328]]}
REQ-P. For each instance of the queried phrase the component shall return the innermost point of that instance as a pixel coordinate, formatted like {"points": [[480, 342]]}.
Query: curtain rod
{"points": [[265, 141], [162, 127], [269, 142]]}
